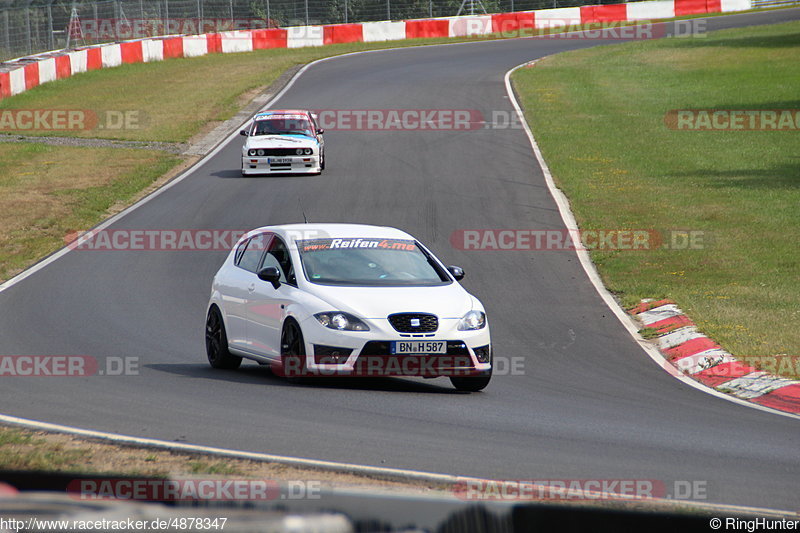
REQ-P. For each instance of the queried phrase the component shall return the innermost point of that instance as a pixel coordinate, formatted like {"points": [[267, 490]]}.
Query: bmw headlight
{"points": [[261, 152], [341, 321], [251, 152], [299, 151], [472, 320], [308, 151]]}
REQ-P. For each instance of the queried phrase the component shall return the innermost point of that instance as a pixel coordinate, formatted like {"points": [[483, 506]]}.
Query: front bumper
{"points": [[368, 353], [266, 165]]}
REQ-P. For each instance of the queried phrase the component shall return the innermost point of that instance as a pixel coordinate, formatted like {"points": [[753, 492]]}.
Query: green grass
{"points": [[218, 469], [49, 191], [598, 115], [21, 450]]}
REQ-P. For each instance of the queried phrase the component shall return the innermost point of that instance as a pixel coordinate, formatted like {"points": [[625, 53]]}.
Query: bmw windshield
{"points": [[369, 262], [283, 125]]}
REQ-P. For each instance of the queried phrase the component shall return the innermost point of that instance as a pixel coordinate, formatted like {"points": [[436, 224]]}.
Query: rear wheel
{"points": [[217, 342], [293, 351], [322, 160]]}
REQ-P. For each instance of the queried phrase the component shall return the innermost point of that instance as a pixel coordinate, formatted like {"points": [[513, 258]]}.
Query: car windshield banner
{"points": [[317, 245]]}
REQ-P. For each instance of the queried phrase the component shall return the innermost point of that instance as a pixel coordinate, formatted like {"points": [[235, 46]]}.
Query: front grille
{"points": [[414, 322], [281, 151]]}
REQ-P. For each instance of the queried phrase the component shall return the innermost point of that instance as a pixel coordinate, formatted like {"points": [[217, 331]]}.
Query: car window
{"points": [[250, 257], [284, 125], [240, 251], [278, 256]]}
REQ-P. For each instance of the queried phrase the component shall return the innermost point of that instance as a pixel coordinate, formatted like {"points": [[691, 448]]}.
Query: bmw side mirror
{"points": [[270, 274], [456, 272], [320, 131], [244, 132]]}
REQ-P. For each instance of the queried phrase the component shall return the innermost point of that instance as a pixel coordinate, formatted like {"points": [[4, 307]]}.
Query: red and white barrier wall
{"points": [[20, 75]]}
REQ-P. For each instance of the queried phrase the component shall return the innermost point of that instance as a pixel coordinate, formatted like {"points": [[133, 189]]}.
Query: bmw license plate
{"points": [[279, 160], [418, 347]]}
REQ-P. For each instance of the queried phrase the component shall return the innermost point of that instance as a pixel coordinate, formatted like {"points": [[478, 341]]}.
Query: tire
{"points": [[471, 384], [322, 160], [217, 342], [293, 351]]}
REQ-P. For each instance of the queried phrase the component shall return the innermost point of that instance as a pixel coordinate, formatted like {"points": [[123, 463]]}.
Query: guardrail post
{"points": [[6, 34], [50, 40], [28, 28]]}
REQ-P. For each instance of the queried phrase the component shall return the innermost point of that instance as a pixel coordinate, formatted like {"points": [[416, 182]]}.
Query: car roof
{"points": [[264, 114], [296, 232]]}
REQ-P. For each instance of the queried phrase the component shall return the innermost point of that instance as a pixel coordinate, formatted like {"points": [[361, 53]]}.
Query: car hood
{"points": [[444, 301], [280, 141]]}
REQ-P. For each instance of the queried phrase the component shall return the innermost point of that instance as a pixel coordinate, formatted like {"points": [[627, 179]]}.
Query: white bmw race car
{"points": [[283, 142], [316, 300]]}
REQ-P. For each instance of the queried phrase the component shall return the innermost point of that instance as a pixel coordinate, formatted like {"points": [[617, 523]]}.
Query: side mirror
{"points": [[244, 132], [271, 274], [456, 272], [320, 131]]}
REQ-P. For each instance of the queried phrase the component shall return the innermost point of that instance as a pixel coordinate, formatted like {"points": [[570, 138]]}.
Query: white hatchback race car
{"points": [[283, 142], [316, 300]]}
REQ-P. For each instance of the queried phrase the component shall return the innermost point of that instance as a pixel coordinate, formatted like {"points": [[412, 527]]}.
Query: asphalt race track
{"points": [[590, 404]]}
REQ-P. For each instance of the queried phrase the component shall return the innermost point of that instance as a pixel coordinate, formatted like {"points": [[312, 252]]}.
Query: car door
{"points": [[267, 305], [238, 285], [318, 131]]}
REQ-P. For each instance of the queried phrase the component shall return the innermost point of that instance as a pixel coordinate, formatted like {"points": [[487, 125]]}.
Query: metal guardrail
{"points": [[33, 26]]}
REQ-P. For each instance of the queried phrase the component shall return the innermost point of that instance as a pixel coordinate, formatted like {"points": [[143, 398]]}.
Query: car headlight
{"points": [[472, 320], [261, 152], [308, 151], [341, 321], [299, 151], [251, 152]]}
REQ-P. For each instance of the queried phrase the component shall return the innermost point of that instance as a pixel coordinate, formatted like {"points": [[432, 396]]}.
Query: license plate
{"points": [[418, 347], [278, 160]]}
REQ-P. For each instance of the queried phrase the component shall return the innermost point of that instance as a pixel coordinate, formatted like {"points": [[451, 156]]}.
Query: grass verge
{"points": [[47, 191], [28, 450], [599, 117]]}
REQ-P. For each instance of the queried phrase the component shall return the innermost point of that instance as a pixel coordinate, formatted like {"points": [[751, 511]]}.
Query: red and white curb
{"points": [[699, 357]]}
